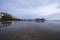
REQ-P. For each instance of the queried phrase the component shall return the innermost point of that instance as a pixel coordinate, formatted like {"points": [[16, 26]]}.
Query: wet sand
{"points": [[48, 30]]}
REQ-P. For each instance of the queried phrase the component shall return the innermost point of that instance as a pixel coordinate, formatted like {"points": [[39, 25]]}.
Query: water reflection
{"points": [[36, 21], [39, 21], [30, 31], [6, 23]]}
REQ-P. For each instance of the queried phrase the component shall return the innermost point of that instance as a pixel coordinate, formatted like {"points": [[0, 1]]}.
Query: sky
{"points": [[30, 8]]}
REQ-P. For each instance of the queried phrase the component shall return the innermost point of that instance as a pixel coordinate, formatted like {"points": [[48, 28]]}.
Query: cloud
{"points": [[49, 9], [30, 8]]}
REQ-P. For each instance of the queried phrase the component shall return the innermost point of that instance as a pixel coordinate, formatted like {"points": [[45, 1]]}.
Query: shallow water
{"points": [[20, 30]]}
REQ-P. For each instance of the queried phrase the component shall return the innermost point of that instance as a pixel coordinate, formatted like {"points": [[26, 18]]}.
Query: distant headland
{"points": [[7, 17]]}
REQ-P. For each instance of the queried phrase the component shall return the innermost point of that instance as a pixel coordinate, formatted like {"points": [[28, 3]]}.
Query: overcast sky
{"points": [[30, 8]]}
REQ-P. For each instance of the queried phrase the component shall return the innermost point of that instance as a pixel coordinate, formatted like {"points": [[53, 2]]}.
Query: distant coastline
{"points": [[9, 17]]}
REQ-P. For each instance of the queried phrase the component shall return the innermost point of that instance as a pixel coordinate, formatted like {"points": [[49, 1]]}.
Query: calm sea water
{"points": [[20, 30]]}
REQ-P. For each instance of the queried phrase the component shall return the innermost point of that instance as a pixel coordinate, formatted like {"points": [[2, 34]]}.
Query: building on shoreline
{"points": [[7, 17]]}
